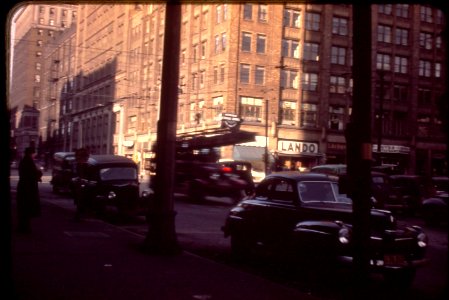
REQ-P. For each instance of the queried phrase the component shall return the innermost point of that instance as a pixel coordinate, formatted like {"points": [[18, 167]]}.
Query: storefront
{"points": [[297, 155]]}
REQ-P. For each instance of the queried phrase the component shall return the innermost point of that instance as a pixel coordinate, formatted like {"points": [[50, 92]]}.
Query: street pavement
{"points": [[63, 259]]}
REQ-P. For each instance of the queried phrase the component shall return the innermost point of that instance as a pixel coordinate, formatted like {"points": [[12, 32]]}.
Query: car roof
{"points": [[63, 154], [97, 159], [297, 176]]}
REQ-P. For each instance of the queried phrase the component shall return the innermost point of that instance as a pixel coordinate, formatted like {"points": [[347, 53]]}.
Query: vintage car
{"points": [[63, 170], [434, 208], [109, 183], [303, 215]]}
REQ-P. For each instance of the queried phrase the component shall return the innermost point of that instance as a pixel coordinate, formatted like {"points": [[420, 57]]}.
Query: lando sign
{"points": [[295, 147]]}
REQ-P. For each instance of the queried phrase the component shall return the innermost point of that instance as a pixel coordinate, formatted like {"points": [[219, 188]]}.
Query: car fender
{"points": [[319, 237], [434, 202]]}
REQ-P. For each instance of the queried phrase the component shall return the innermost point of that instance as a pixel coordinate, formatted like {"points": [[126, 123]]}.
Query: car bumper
{"points": [[382, 265]]}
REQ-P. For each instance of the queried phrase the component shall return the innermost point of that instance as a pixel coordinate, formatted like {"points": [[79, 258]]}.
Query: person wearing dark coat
{"points": [[28, 199]]}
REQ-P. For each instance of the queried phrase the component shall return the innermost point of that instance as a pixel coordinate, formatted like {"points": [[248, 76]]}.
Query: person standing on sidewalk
{"points": [[28, 199]]}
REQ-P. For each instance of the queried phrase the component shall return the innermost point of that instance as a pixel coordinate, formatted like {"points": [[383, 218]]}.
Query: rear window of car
{"points": [[118, 173]]}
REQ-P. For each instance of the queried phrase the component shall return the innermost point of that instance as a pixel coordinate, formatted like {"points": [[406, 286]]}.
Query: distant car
{"points": [[330, 169], [63, 171], [242, 168], [302, 215], [410, 191], [434, 209], [109, 183]]}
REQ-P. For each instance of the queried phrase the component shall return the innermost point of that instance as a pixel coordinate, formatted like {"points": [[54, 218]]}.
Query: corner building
{"points": [[285, 69]]}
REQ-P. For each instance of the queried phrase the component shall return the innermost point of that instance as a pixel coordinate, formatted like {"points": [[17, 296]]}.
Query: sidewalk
{"points": [[62, 259]]}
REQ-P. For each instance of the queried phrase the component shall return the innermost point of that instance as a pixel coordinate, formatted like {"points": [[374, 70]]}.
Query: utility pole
{"points": [[380, 116], [161, 237], [266, 138], [359, 146]]}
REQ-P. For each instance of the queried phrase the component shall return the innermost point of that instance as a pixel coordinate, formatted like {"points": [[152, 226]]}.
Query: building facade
{"points": [[285, 69]]}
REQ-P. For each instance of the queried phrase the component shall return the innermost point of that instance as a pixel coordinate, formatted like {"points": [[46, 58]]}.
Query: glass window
{"points": [[310, 82], [336, 117], [223, 41], [313, 21], [246, 41], [426, 14], [400, 93], [425, 40], [383, 62], [384, 33], [338, 55], [385, 9], [251, 109], [261, 41], [288, 112], [401, 64], [247, 11], [311, 191], [402, 10], [292, 18], [340, 26], [263, 13], [259, 75], [311, 51], [120, 173], [401, 36], [289, 79], [244, 73], [308, 115], [425, 68], [337, 84]]}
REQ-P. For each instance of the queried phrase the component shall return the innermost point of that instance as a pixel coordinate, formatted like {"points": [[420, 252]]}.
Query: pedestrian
{"points": [[28, 199]]}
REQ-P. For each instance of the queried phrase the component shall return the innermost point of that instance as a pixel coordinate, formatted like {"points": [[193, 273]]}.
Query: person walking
{"points": [[28, 199]]}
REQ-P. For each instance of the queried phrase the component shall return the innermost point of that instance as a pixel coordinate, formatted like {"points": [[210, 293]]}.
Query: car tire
{"points": [[240, 246]]}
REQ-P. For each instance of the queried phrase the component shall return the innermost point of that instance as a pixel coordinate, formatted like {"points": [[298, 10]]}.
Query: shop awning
{"points": [[216, 140]]}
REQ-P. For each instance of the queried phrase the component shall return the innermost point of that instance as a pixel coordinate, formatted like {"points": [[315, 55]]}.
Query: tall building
{"points": [[284, 69], [36, 28]]}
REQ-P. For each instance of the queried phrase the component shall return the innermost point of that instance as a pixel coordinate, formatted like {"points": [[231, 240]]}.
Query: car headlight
{"points": [[112, 195], [344, 236], [422, 240], [146, 194]]}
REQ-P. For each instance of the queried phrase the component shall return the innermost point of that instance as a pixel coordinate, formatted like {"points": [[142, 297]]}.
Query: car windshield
{"points": [[118, 173], [317, 191]]}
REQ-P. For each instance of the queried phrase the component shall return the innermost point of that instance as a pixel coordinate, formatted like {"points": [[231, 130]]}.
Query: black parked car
{"points": [[410, 190], [434, 208], [303, 215], [63, 171], [109, 182]]}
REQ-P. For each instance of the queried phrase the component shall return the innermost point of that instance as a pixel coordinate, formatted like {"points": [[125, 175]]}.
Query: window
{"points": [[289, 79], [288, 112], [292, 18], [215, 74], [402, 10], [38, 54], [426, 14], [290, 48], [223, 41], [311, 51], [383, 62], [400, 93], [40, 32], [425, 40], [424, 97], [41, 21], [424, 68], [340, 26], [247, 11], [261, 41], [263, 12], [400, 65], [202, 76], [217, 44], [310, 81], [313, 21], [218, 14], [246, 41], [385, 9], [308, 115], [217, 104], [384, 33], [338, 55], [244, 73], [38, 66], [51, 22], [37, 78], [203, 49], [251, 109], [401, 37], [336, 117], [437, 70], [337, 85], [259, 75], [222, 73]]}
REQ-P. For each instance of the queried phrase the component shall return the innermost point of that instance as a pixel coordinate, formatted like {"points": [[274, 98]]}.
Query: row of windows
{"points": [[401, 37]]}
